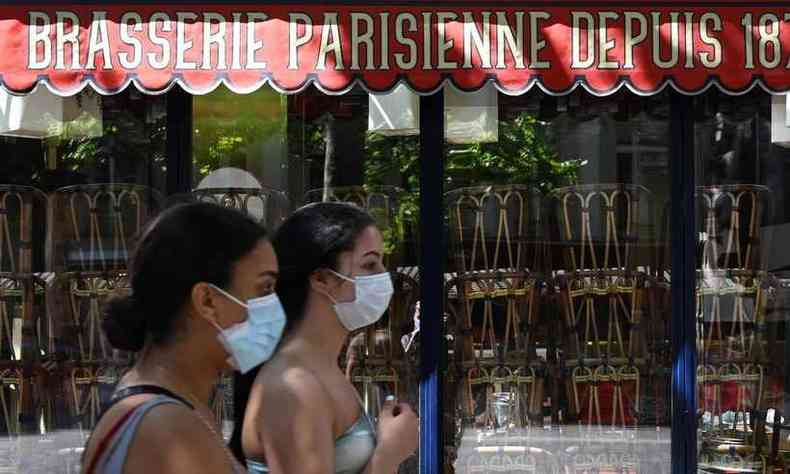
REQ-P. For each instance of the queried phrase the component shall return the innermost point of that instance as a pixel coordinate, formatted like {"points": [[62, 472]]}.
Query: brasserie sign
{"points": [[336, 48]]}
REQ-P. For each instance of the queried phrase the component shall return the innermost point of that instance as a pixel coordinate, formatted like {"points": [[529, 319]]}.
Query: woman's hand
{"points": [[397, 436]]}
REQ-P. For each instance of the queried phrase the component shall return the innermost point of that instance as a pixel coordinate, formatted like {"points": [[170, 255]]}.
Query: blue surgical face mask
{"points": [[253, 342], [372, 298]]}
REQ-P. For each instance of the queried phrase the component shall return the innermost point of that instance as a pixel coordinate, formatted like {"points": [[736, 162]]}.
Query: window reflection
{"points": [[559, 289], [741, 265], [81, 176], [77, 190], [558, 266]]}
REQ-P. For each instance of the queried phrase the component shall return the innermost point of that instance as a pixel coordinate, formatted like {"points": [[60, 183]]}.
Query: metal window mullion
{"points": [[432, 256], [179, 141], [684, 355]]}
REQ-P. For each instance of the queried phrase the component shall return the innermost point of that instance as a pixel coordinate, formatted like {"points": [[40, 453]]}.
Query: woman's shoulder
{"points": [[146, 423], [172, 421], [286, 377], [182, 440]]}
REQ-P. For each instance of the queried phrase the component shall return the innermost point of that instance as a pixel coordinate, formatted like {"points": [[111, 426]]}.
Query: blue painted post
{"points": [[432, 256], [684, 393]]}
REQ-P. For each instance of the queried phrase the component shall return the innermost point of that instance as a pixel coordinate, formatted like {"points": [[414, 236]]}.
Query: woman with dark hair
{"points": [[302, 414], [202, 301]]}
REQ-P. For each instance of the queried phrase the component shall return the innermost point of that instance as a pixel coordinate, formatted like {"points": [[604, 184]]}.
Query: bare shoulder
{"points": [[290, 385], [172, 425], [293, 419], [188, 440]]}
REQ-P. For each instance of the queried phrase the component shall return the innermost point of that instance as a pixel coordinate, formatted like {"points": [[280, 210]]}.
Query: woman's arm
{"points": [[397, 438]]}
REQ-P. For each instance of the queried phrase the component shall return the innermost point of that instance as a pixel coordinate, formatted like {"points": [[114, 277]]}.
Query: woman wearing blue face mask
{"points": [[202, 302], [302, 414]]}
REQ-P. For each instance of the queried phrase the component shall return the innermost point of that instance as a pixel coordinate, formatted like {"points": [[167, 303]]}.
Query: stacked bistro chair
{"points": [[380, 365], [22, 305], [268, 206], [731, 306], [606, 234], [93, 227], [492, 297]]}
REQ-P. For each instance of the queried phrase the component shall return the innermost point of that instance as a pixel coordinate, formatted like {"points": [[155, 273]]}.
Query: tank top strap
{"points": [[113, 459]]}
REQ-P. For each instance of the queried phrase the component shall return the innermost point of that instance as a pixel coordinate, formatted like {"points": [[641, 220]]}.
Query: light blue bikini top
{"points": [[353, 449]]}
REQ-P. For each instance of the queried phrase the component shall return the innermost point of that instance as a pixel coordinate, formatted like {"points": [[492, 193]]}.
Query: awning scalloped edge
{"points": [[313, 81]]}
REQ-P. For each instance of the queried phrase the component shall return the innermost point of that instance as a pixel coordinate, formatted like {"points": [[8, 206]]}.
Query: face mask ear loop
{"points": [[331, 298], [341, 276], [221, 336], [229, 296], [213, 323]]}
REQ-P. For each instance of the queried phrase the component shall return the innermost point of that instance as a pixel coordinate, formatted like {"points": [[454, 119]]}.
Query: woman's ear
{"points": [[203, 302], [320, 281]]}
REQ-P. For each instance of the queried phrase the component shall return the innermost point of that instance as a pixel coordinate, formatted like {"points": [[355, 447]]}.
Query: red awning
{"points": [[289, 47]]}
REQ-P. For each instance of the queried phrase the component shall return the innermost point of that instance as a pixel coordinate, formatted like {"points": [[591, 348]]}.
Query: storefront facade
{"points": [[584, 206]]}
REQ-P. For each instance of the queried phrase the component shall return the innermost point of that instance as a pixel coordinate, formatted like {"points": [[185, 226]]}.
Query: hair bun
{"points": [[124, 323]]}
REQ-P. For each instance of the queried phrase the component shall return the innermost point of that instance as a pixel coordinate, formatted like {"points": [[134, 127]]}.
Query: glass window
{"points": [[80, 176], [741, 159], [558, 308], [83, 174], [239, 132]]}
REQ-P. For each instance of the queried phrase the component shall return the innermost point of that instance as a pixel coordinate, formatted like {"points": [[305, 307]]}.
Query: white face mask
{"points": [[253, 341], [373, 294]]}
